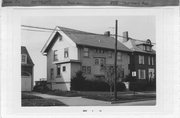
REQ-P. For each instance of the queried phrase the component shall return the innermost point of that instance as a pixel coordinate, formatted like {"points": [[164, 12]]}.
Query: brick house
{"points": [[26, 70], [143, 58], [69, 50]]}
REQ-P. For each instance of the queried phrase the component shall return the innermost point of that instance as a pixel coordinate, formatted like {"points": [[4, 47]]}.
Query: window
{"points": [[66, 53], [119, 56], [149, 60], [110, 54], [84, 69], [58, 70], [64, 68], [152, 60], [141, 74], [120, 72], [55, 55], [102, 64], [88, 69], [148, 48], [96, 61], [51, 73], [23, 58], [86, 52], [141, 59]]}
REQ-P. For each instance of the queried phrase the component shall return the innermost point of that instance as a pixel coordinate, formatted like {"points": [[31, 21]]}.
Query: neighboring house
{"points": [[69, 51], [26, 70], [143, 58]]}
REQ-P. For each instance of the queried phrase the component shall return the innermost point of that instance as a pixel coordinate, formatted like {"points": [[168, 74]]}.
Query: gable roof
{"points": [[133, 46], [24, 51], [90, 39]]}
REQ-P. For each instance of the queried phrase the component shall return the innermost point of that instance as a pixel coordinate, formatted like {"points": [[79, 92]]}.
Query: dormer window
{"points": [[24, 58], [148, 48]]}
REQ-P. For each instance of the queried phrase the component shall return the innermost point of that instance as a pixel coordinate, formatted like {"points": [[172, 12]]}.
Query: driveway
{"points": [[79, 101]]}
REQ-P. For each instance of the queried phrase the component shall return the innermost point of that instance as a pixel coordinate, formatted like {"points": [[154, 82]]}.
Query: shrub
{"points": [[77, 82], [80, 83], [42, 87], [142, 85]]}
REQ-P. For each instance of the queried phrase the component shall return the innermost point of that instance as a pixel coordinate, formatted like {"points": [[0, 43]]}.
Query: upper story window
{"points": [[66, 52], [149, 60], [110, 54], [86, 52], [55, 56], [152, 60], [141, 59], [23, 58], [101, 51], [148, 48], [119, 56]]}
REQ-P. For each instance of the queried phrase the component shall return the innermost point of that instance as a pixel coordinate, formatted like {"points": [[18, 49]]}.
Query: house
{"points": [[26, 70], [143, 58], [69, 50]]}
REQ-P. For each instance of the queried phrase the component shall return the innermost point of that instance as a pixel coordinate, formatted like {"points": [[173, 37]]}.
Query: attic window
{"points": [[55, 55], [59, 37], [24, 58]]}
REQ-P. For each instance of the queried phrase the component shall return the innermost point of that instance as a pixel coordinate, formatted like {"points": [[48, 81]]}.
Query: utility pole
{"points": [[115, 60]]}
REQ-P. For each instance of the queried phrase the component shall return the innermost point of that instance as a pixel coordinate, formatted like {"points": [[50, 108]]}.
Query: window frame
{"points": [[55, 55], [149, 60], [140, 71], [110, 54], [141, 59], [25, 59], [88, 70], [84, 69], [119, 56], [85, 52], [64, 68], [66, 52], [52, 73], [58, 67], [152, 60]]}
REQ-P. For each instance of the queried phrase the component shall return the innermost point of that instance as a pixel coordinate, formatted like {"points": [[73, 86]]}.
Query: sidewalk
{"points": [[80, 101], [74, 101]]}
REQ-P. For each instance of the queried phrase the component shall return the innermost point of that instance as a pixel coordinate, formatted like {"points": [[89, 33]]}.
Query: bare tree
{"points": [[109, 75]]}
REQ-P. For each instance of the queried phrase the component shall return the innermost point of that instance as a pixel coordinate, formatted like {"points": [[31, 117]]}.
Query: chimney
{"points": [[107, 33], [125, 36]]}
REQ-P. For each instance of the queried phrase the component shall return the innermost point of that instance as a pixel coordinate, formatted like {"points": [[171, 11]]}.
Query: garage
{"points": [[26, 82]]}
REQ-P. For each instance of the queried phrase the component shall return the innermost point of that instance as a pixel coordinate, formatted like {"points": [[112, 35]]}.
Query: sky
{"points": [[139, 27]]}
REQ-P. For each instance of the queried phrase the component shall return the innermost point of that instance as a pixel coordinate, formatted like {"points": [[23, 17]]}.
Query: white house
{"points": [[69, 51]]}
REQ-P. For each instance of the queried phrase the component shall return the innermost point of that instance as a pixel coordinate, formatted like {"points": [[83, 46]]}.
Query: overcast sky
{"points": [[139, 27]]}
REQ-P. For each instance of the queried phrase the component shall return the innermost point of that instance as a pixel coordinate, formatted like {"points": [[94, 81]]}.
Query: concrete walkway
{"points": [[79, 101], [74, 101]]}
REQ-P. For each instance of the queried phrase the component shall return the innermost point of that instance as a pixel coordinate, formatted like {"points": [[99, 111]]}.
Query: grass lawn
{"points": [[31, 100], [105, 96]]}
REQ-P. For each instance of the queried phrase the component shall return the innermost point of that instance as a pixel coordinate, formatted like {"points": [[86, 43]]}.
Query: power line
{"points": [[50, 29]]}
